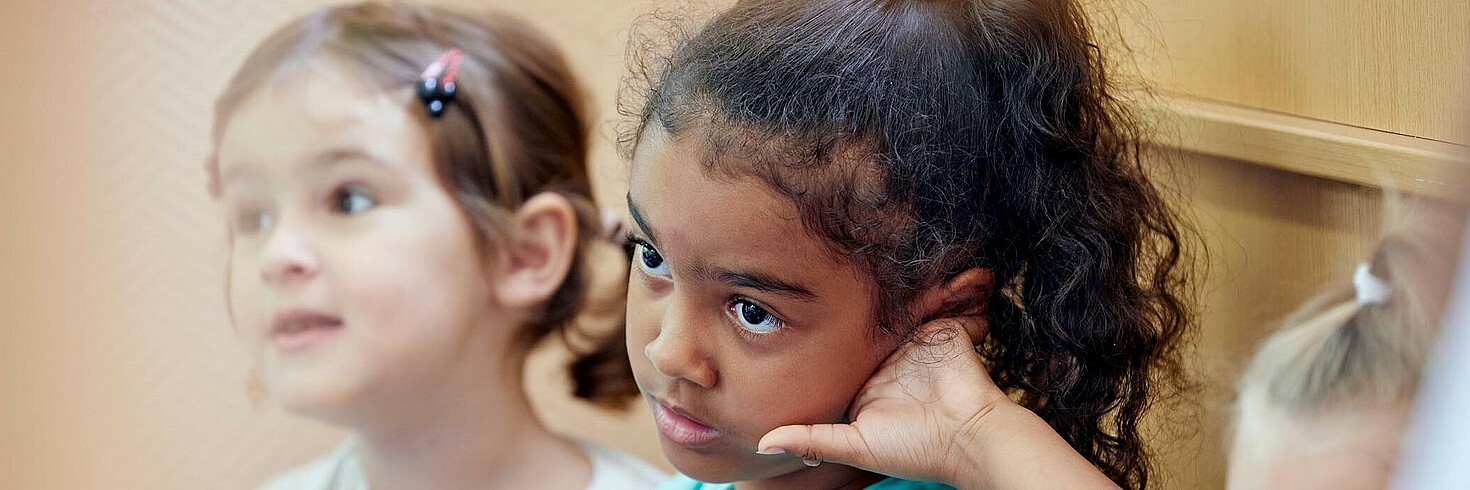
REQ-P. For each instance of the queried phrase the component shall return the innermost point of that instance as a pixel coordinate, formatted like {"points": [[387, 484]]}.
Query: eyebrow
{"points": [[338, 156], [749, 280], [638, 219], [762, 282], [326, 159]]}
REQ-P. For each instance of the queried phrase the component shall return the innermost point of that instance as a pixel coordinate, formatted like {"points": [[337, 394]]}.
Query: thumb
{"points": [[814, 444]]}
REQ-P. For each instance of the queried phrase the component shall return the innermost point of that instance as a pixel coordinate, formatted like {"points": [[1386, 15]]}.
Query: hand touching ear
{"points": [[931, 412], [915, 416]]}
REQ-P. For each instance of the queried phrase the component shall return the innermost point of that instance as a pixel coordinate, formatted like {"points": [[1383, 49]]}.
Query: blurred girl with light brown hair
{"points": [[409, 212]]}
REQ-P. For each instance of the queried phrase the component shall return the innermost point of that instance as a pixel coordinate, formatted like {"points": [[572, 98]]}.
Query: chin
{"points": [[315, 395], [723, 466]]}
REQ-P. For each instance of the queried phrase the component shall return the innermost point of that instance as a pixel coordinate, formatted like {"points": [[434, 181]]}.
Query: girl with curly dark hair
{"points": [[813, 180]]}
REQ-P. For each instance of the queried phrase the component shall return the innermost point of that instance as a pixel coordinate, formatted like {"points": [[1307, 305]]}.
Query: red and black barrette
{"points": [[436, 87]]}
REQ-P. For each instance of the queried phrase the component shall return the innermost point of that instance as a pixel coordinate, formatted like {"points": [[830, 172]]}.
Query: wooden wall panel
{"points": [[1396, 66]]}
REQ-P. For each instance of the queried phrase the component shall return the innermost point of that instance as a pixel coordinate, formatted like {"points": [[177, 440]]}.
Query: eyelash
{"points": [[632, 245], [734, 317], [242, 219], [335, 198]]}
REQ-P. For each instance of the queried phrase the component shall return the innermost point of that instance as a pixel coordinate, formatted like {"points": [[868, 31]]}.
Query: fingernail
{"points": [[811, 462], [771, 450]]}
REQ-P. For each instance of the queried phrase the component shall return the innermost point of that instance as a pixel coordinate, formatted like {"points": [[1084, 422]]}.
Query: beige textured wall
{"points": [[118, 368]]}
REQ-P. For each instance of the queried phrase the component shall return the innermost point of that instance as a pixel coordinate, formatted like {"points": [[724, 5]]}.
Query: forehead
{"points": [[1366, 468], [706, 220], [1344, 449], [322, 106]]}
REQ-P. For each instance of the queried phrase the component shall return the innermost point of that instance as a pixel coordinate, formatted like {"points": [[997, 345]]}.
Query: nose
{"points": [[676, 351], [287, 258]]}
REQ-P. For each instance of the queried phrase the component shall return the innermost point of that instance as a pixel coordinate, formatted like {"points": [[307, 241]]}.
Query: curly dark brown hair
{"points": [[926, 138]]}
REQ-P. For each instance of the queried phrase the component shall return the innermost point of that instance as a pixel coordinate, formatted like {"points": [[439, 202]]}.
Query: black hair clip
{"points": [[436, 87]]}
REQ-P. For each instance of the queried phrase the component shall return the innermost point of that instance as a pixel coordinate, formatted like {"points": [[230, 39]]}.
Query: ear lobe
{"points": [[541, 250], [964, 295]]}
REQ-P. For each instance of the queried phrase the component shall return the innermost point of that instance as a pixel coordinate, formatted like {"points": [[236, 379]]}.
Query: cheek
{"points": [[828, 362], [641, 317], [409, 284], [642, 321], [244, 294], [813, 384]]}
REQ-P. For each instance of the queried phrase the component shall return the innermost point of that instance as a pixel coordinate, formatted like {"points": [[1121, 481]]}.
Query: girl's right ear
{"points": [[543, 246], [964, 295]]}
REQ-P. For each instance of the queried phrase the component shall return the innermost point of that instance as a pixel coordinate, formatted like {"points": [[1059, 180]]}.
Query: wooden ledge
{"points": [[1307, 146]]}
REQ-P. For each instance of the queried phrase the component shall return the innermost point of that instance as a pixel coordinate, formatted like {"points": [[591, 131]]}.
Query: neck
{"points": [[471, 430], [829, 476]]}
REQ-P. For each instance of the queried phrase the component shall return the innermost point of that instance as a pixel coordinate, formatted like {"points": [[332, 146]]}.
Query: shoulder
{"points": [[316, 475], [324, 473], [897, 484], [614, 469], [681, 482]]}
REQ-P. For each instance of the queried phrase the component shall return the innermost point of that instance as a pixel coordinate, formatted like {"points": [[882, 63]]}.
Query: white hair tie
{"points": [[1371, 290]]}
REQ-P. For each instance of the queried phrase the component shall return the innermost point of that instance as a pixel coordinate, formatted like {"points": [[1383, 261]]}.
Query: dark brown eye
{"points": [[650, 261], [754, 318], [352, 200]]}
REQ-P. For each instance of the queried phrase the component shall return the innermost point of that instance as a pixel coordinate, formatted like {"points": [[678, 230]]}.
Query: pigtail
{"points": [[539, 92], [602, 373], [604, 376], [1363, 343], [588, 314]]}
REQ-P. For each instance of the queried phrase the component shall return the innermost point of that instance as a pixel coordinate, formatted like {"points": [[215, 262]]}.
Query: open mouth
{"points": [[298, 329], [681, 428]]}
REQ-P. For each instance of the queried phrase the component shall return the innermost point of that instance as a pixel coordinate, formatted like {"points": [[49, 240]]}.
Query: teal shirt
{"points": [[681, 482]]}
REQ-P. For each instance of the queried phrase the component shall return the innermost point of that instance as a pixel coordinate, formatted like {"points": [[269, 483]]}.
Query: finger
{"points": [[947, 330], [814, 444]]}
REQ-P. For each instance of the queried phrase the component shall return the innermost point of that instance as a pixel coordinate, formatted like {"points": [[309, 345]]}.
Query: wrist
{"points": [[1008, 446], [964, 464]]}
